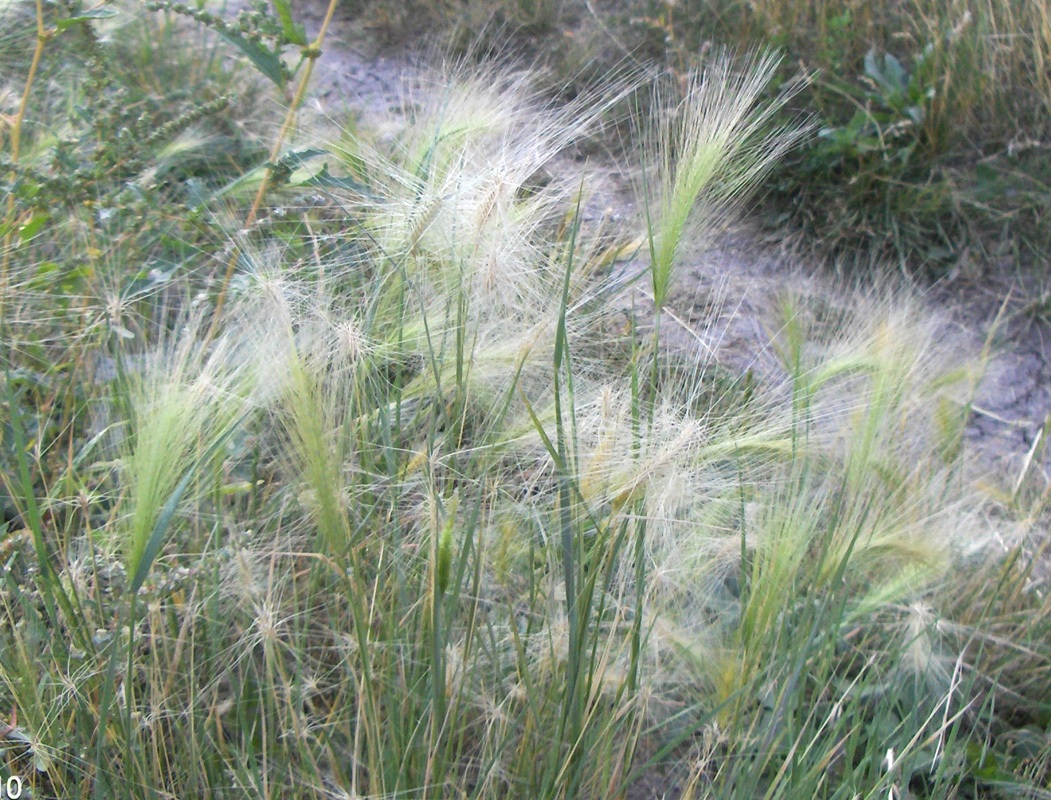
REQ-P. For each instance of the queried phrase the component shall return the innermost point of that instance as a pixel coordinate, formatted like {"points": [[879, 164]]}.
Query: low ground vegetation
{"points": [[332, 469], [932, 139]]}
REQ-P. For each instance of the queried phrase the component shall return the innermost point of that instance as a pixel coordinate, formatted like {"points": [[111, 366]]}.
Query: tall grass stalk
{"points": [[704, 154], [310, 54]]}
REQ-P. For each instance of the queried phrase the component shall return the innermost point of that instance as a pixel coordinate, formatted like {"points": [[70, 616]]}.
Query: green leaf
{"points": [[859, 122], [45, 275], [445, 554], [895, 72], [890, 76], [266, 61], [294, 159], [99, 12], [325, 180], [870, 66], [293, 32], [29, 229], [248, 180]]}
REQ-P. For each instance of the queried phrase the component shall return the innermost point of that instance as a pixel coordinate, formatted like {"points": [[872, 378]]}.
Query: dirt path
{"points": [[726, 288]]}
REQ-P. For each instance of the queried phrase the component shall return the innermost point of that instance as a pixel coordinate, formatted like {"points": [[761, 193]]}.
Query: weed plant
{"points": [[932, 117], [350, 499]]}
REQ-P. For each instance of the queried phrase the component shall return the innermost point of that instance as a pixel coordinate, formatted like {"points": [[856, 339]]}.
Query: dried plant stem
{"points": [[311, 53], [42, 38]]}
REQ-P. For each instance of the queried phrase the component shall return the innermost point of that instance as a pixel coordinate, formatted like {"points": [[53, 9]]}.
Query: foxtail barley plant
{"points": [[385, 499]]}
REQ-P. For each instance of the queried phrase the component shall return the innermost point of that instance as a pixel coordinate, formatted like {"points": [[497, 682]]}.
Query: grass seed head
{"points": [[707, 151]]}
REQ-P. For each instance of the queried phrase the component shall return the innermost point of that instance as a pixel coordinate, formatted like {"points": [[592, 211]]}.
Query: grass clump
{"points": [[366, 509]]}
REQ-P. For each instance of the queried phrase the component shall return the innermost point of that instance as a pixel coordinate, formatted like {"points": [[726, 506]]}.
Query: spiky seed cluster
{"points": [[708, 150]]}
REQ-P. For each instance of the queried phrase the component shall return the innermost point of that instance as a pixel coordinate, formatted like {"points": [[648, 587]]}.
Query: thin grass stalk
{"points": [[369, 720], [311, 54], [638, 405], [571, 719], [107, 701], [139, 568], [659, 280], [441, 569], [822, 627], [470, 548], [639, 554], [42, 38], [572, 714]]}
